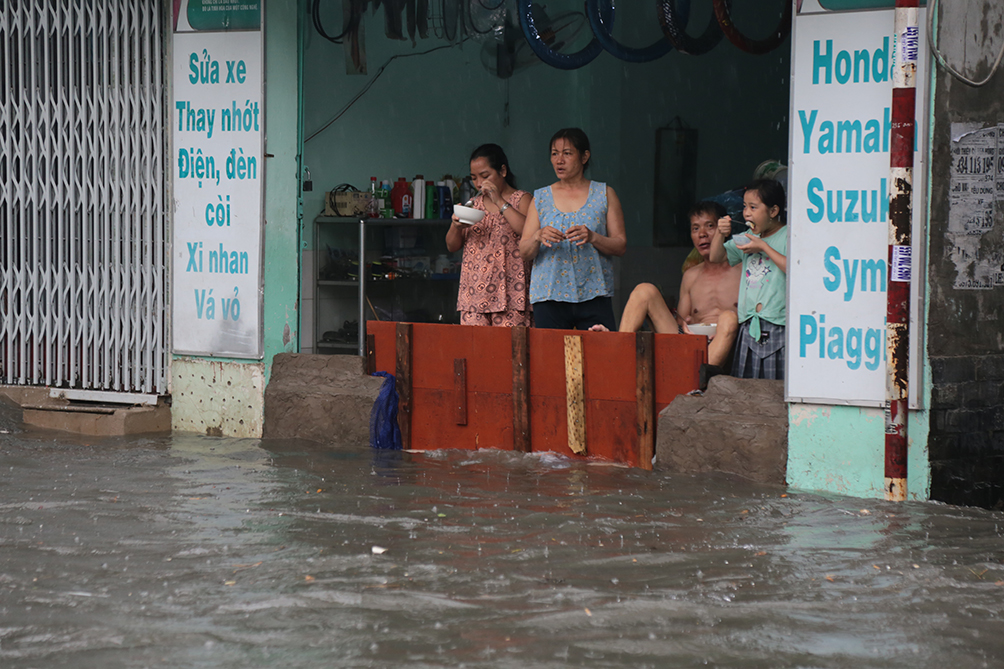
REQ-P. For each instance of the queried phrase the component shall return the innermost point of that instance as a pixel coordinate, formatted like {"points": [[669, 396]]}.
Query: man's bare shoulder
{"points": [[693, 274]]}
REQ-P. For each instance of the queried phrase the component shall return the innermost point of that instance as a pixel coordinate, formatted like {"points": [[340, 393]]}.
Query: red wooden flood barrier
{"points": [[509, 388]]}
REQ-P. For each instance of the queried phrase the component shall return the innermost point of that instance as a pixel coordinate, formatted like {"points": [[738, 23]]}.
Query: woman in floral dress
{"points": [[494, 279]]}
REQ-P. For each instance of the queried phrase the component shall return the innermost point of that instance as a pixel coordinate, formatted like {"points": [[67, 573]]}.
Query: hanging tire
{"points": [[756, 47], [674, 25], [602, 25], [562, 61]]}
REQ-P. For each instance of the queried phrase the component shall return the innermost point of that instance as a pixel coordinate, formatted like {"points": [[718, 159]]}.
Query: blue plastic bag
{"points": [[384, 431]]}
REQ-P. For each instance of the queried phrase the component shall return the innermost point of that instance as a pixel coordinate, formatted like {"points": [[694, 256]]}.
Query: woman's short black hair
{"points": [[496, 158], [578, 139], [771, 193]]}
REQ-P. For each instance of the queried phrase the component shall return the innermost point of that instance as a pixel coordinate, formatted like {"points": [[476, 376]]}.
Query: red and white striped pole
{"points": [[904, 82]]}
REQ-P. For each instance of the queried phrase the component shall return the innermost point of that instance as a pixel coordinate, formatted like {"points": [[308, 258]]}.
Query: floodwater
{"points": [[192, 551]]}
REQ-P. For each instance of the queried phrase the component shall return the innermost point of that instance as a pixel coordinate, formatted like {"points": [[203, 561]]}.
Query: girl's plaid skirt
{"points": [[763, 359]]}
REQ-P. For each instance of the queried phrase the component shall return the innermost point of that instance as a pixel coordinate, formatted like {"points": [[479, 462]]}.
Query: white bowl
{"points": [[741, 240], [706, 329], [468, 215]]}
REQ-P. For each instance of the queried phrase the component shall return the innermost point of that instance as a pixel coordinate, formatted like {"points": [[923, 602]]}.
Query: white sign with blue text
{"points": [[217, 128], [839, 208]]}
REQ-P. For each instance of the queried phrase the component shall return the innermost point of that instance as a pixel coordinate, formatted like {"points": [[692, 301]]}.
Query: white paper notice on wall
{"points": [[972, 190], [977, 183], [999, 179]]}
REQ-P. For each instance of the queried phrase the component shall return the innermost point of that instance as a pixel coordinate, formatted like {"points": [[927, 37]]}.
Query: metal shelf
{"points": [[363, 224], [382, 221], [336, 344], [327, 282]]}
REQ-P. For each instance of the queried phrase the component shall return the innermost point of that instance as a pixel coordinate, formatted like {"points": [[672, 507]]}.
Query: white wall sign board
{"points": [[217, 121], [839, 181]]}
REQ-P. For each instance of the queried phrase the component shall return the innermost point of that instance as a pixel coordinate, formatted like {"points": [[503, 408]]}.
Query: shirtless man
{"points": [[709, 294]]}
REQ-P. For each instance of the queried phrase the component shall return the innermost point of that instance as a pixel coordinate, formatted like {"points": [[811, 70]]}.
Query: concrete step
{"points": [[324, 398], [99, 420]]}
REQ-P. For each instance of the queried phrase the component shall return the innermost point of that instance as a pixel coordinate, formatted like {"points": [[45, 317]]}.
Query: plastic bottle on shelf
{"points": [[431, 206], [386, 208], [467, 191], [444, 199], [407, 202], [374, 207], [418, 195], [442, 264], [454, 189], [398, 194]]}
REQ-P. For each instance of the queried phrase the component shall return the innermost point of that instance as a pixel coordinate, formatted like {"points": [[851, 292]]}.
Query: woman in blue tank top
{"points": [[573, 229]]}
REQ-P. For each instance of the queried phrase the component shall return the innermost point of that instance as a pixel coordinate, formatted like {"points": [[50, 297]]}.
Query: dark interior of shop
{"points": [[390, 94]]}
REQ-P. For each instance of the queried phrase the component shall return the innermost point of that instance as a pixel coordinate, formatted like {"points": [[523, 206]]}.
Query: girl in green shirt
{"points": [[759, 352]]}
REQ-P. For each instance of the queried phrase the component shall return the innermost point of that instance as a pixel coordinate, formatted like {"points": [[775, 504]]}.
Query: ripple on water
{"points": [[209, 552]]}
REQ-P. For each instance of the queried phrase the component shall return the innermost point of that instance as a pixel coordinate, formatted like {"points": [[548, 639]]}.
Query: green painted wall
{"points": [[282, 206], [842, 449], [427, 112]]}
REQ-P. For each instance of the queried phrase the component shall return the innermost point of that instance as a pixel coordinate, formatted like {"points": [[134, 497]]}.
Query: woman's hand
{"points": [[455, 224], [579, 235], [490, 192], [455, 235], [548, 236]]}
